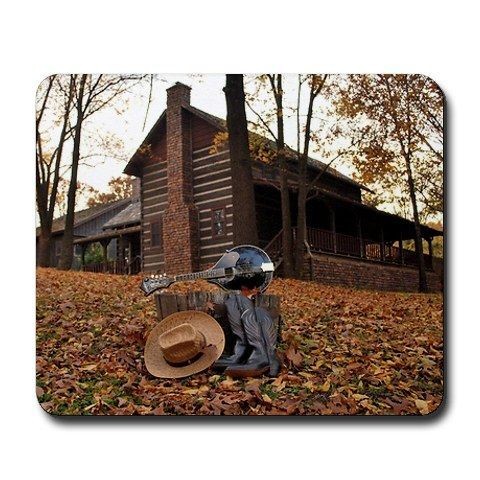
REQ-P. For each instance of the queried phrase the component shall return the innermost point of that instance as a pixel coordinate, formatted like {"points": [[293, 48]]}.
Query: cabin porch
{"points": [[342, 227], [127, 256]]}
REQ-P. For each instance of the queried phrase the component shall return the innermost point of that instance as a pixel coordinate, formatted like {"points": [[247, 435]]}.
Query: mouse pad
{"points": [[266, 244]]}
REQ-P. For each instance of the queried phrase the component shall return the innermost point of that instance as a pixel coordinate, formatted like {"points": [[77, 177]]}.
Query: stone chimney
{"points": [[180, 219], [136, 189]]}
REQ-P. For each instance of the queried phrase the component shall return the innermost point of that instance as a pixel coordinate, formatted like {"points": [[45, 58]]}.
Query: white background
{"points": [[436, 38]]}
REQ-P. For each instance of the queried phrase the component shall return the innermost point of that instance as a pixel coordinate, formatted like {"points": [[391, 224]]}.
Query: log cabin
{"points": [[181, 217]]}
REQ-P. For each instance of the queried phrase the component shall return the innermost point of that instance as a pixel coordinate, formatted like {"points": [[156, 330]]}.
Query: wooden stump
{"points": [[213, 304]]}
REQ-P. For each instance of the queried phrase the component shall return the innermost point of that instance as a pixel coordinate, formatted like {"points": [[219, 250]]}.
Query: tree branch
{"points": [[262, 121]]}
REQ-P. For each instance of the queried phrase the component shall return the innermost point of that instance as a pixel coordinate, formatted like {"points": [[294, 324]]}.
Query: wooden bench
{"points": [[213, 304]]}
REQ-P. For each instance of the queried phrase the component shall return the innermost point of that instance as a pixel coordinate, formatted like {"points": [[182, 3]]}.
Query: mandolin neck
{"points": [[206, 274]]}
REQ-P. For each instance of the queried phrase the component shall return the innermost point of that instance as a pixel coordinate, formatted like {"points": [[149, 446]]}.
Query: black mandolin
{"points": [[242, 264]]}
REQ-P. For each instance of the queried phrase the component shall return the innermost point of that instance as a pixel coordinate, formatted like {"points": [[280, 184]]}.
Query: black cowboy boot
{"points": [[258, 361], [269, 333], [240, 350]]}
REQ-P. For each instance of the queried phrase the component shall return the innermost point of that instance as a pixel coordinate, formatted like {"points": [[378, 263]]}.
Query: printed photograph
{"points": [[239, 244]]}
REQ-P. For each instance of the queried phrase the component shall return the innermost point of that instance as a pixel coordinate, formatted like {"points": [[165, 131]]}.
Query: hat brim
{"points": [[214, 336]]}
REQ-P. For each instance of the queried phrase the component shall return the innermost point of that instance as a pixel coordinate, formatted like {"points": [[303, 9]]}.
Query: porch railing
{"points": [[325, 241], [116, 267], [274, 247]]}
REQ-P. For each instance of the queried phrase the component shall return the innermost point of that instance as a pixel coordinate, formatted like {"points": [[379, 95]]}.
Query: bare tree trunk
{"points": [[244, 216], [59, 153], [45, 200], [302, 191], [301, 219], [422, 274], [66, 256], [287, 241], [44, 241], [42, 175], [43, 251]]}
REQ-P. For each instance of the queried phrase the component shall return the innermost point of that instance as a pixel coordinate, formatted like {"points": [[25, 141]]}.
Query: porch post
{"points": [[83, 249], [382, 245], [333, 229], [129, 255], [360, 237], [120, 257], [104, 244], [430, 251], [400, 246]]}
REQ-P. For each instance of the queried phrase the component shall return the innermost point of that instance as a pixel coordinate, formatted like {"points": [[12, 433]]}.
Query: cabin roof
{"points": [[83, 216], [221, 125], [128, 216], [425, 229]]}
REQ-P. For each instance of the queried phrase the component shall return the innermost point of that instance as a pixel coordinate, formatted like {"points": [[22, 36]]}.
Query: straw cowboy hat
{"points": [[182, 344]]}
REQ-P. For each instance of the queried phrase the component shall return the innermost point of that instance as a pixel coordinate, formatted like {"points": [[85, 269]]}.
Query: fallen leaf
{"points": [[309, 385], [422, 406], [326, 386], [294, 356], [89, 368]]}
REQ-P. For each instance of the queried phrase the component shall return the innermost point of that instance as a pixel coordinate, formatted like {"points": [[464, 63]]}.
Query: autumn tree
{"points": [[83, 190], [429, 166], [244, 217], [275, 82], [66, 256], [92, 93], [118, 189], [292, 255], [315, 85], [400, 120], [48, 162]]}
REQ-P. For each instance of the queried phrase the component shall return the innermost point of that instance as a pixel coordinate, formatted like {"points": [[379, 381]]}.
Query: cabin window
{"points": [[156, 233], [219, 223]]}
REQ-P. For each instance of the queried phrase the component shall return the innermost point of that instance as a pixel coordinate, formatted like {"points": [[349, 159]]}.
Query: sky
{"points": [[206, 94]]}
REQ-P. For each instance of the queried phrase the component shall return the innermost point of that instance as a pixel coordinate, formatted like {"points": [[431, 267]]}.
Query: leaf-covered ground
{"points": [[344, 352]]}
